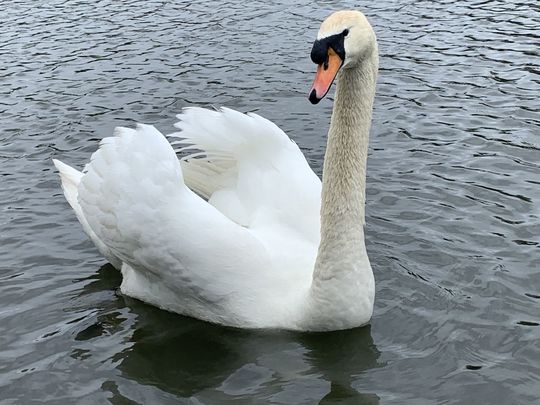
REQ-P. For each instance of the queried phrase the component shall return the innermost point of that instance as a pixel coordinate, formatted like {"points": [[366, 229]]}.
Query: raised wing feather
{"points": [[134, 199], [250, 170]]}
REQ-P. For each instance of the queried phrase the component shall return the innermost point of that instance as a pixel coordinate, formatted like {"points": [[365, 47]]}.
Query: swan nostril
{"points": [[313, 97]]}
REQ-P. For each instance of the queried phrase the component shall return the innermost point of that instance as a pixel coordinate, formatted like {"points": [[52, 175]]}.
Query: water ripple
{"points": [[452, 214]]}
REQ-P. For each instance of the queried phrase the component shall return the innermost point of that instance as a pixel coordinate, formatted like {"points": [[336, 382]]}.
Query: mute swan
{"points": [[243, 233]]}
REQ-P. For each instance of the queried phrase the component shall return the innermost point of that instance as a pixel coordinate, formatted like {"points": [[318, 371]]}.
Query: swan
{"points": [[241, 232]]}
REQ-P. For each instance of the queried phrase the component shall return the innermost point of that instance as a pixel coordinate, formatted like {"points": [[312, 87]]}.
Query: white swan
{"points": [[242, 234]]}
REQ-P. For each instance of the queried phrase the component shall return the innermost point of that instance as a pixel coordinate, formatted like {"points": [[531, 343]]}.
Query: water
{"points": [[452, 212]]}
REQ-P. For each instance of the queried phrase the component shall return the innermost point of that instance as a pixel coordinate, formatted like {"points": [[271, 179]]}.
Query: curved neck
{"points": [[342, 245], [344, 172]]}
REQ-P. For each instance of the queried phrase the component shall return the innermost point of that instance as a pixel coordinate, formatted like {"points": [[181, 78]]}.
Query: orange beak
{"points": [[326, 73]]}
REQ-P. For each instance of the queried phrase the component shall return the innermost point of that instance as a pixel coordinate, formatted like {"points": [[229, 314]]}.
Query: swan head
{"points": [[344, 40]]}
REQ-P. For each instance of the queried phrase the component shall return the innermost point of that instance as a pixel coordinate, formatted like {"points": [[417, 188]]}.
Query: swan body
{"points": [[243, 233]]}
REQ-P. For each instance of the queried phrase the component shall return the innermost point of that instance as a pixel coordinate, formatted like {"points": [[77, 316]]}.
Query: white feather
{"points": [[250, 170], [193, 257], [71, 178]]}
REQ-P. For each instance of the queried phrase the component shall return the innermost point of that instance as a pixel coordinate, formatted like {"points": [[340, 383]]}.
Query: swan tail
{"points": [[71, 179]]}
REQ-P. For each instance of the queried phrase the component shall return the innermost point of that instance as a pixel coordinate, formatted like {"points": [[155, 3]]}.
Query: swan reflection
{"points": [[190, 358]]}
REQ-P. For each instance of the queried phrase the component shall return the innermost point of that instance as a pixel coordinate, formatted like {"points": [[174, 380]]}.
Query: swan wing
{"points": [[250, 170], [179, 252]]}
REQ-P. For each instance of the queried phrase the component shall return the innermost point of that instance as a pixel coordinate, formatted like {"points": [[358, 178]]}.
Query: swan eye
{"points": [[345, 32]]}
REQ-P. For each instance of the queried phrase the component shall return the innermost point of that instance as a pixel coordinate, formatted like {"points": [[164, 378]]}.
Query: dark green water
{"points": [[453, 210]]}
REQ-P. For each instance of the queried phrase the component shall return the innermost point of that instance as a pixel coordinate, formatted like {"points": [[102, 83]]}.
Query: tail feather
{"points": [[70, 181], [71, 178]]}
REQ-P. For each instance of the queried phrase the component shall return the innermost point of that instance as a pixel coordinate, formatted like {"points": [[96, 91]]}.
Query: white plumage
{"points": [[251, 171], [231, 233], [257, 236]]}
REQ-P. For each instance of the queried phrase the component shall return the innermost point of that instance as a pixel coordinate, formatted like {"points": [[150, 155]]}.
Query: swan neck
{"points": [[344, 172]]}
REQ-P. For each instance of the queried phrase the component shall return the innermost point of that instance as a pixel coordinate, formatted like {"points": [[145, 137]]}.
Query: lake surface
{"points": [[453, 210]]}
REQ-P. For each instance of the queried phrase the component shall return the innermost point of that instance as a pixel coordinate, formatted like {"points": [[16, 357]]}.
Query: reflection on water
{"points": [[190, 358], [452, 212]]}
